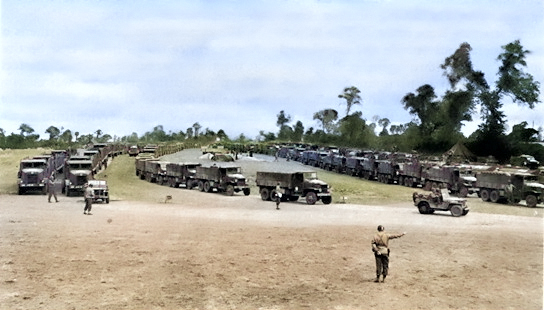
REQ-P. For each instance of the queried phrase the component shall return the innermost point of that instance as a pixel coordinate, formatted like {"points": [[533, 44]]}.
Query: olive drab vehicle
{"points": [[293, 185], [511, 186], [34, 172], [226, 179], [440, 200], [181, 174]]}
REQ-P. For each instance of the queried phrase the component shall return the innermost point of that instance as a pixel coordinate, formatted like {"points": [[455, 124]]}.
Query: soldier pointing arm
{"points": [[380, 247]]}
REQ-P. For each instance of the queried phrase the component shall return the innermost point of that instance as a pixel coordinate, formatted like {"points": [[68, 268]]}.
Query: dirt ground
{"points": [[210, 251]]}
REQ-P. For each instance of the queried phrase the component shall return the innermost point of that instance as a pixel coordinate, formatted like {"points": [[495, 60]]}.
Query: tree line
{"points": [[436, 122]]}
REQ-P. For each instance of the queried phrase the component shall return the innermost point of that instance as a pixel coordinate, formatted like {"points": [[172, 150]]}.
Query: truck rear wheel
{"points": [[494, 196], [201, 186], [531, 201], [207, 187], [265, 194], [311, 198], [463, 192], [246, 191]]}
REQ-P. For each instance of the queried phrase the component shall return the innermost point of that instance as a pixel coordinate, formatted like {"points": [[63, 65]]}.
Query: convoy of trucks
{"points": [[490, 182]]}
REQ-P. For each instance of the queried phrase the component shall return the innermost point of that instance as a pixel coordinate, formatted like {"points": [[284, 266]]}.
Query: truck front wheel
{"points": [[246, 191], [311, 198], [531, 201]]}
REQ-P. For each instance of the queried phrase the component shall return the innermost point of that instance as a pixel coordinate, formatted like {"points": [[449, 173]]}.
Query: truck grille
{"points": [[32, 178], [81, 179]]}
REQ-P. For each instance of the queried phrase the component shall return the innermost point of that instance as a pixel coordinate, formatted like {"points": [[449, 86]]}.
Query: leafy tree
{"points": [[53, 132], [283, 119], [298, 131], [98, 133], [66, 136], [490, 137], [190, 133], [196, 127], [25, 129], [222, 135], [351, 94], [384, 123], [270, 136], [327, 117]]}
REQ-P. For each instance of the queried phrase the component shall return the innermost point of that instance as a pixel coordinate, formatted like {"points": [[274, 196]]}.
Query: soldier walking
{"points": [[380, 247]]}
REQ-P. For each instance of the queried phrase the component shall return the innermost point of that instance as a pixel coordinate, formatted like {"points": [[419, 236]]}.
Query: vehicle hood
{"points": [[80, 172], [32, 170], [535, 184], [469, 178], [316, 182], [236, 176]]}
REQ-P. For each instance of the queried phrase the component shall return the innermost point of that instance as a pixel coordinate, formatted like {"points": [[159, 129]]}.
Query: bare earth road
{"points": [[210, 251]]}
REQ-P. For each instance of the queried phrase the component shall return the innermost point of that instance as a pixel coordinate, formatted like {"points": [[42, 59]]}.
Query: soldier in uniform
{"points": [[380, 247], [88, 195], [51, 190], [278, 196]]}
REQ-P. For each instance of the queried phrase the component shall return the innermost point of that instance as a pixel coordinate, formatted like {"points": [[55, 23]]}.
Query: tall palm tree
{"points": [[351, 94]]}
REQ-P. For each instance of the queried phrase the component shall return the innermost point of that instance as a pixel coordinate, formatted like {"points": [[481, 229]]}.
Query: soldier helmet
{"points": [[380, 228]]}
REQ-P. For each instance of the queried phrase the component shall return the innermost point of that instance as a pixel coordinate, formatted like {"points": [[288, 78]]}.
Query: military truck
{"points": [[181, 174], [32, 175], [458, 179], [293, 185], [226, 179], [101, 191], [133, 150], [77, 172], [510, 186], [440, 200]]}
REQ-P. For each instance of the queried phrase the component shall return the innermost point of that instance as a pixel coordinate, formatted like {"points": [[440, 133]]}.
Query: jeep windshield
{"points": [[233, 170]]}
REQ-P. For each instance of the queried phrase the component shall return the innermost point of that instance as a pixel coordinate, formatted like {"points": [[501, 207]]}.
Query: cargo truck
{"points": [[293, 185], [226, 179], [509, 186]]}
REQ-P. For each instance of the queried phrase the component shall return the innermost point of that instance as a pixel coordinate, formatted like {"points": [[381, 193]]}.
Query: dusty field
{"points": [[209, 251]]}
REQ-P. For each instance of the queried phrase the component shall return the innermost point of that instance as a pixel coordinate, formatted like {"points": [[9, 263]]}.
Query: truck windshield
{"points": [[33, 164], [233, 170], [310, 175], [80, 166]]}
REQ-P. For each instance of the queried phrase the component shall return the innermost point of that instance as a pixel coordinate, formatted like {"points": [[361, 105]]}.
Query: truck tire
{"points": [[246, 191], [229, 191], [201, 186], [107, 200], [463, 192], [531, 201], [326, 200], [494, 196], [207, 187], [456, 210], [311, 198], [484, 193]]}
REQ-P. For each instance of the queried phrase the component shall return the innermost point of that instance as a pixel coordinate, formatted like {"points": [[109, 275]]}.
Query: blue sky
{"points": [[128, 66]]}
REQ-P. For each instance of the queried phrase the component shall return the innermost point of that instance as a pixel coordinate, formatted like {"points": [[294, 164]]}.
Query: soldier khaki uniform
{"points": [[89, 195], [380, 247]]}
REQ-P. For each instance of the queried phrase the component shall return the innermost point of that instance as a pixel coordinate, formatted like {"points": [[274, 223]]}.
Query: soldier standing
{"points": [[278, 196], [88, 195], [380, 247], [51, 190]]}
